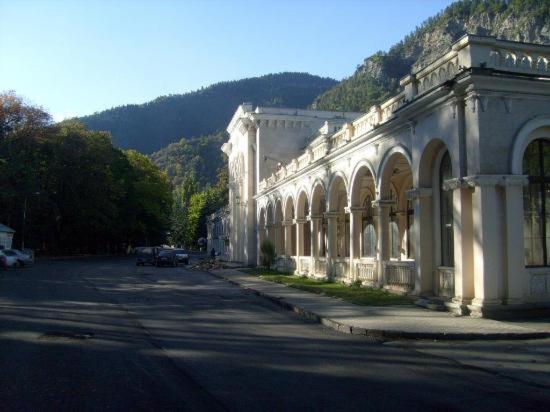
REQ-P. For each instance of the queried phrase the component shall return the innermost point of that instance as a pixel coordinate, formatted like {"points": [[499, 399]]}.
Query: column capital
{"points": [[315, 217], [353, 209], [383, 203], [288, 222], [495, 180], [418, 192], [515, 180], [301, 220], [332, 215], [454, 184]]}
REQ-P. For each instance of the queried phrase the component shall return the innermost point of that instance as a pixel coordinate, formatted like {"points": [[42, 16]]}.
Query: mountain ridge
{"points": [[150, 126]]}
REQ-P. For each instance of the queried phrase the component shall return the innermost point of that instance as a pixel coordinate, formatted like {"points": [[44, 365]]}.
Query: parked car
{"points": [[3, 261], [166, 257], [11, 258], [146, 255], [182, 256], [24, 258]]}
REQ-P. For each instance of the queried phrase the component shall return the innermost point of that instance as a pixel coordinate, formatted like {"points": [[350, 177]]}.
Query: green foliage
{"points": [[200, 155], [268, 253], [82, 194], [353, 294], [191, 208], [151, 126], [378, 77]]}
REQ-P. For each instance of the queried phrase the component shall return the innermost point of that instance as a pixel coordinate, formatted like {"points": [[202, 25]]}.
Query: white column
{"points": [[355, 235], [489, 251], [332, 222], [463, 244], [422, 239], [383, 246], [287, 225], [515, 260]]}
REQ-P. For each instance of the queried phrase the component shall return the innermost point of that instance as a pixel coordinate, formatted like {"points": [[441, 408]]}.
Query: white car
{"points": [[24, 258], [11, 259]]}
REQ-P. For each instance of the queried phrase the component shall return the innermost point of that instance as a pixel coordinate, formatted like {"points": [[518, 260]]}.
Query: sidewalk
{"points": [[385, 321]]}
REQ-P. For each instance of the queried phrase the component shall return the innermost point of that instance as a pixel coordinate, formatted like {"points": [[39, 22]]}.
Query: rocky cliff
{"points": [[378, 76]]}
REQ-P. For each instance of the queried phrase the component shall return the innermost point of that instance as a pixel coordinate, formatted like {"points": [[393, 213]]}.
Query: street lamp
{"points": [[25, 218]]}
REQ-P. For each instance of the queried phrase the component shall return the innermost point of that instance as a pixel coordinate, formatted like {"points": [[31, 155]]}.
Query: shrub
{"points": [[268, 253]]}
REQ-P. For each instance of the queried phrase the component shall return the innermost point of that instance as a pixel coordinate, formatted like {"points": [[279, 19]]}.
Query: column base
{"points": [[458, 306]]}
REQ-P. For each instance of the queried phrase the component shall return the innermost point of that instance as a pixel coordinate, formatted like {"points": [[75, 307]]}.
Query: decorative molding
{"points": [[383, 203], [495, 180], [419, 192], [507, 101]]}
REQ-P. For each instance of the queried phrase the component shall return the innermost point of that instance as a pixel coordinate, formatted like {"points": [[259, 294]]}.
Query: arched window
{"points": [[394, 226], [446, 213], [410, 225], [536, 203], [369, 232]]}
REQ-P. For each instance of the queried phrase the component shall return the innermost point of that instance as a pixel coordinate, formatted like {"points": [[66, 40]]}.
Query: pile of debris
{"points": [[208, 264]]}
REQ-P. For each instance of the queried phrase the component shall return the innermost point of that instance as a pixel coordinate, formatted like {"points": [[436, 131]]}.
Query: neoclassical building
{"points": [[441, 191]]}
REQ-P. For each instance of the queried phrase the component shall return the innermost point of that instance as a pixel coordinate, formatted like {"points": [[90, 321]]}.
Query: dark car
{"points": [[166, 257], [147, 255], [182, 256]]}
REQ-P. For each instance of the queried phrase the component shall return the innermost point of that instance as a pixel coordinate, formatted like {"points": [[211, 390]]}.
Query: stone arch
{"points": [[390, 156], [361, 170], [526, 135], [279, 228], [289, 210], [302, 203], [270, 213], [337, 183], [428, 158], [318, 200]]}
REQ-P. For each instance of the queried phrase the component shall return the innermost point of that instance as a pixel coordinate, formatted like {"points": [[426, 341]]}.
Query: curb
{"points": [[380, 334]]}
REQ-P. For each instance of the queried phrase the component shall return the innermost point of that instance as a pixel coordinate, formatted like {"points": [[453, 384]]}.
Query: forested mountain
{"points": [[153, 125], [199, 155], [377, 78]]}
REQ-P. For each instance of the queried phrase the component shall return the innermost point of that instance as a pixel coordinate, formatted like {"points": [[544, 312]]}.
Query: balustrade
{"points": [[366, 272], [445, 282], [399, 274]]}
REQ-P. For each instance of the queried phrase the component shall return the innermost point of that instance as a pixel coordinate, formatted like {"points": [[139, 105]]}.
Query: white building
{"points": [[441, 191], [6, 236]]}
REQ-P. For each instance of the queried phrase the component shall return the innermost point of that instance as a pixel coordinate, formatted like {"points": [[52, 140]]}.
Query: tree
{"points": [[17, 116], [268, 253]]}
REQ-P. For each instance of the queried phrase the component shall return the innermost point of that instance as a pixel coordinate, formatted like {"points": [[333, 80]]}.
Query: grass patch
{"points": [[350, 293]]}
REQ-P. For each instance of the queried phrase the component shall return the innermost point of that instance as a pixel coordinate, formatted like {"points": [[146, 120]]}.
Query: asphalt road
{"points": [[103, 334]]}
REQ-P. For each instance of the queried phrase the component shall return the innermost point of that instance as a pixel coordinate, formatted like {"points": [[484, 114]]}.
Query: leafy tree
{"points": [[67, 189]]}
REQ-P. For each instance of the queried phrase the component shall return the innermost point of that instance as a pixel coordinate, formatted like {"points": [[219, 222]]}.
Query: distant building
{"points": [[442, 191], [6, 236], [218, 229]]}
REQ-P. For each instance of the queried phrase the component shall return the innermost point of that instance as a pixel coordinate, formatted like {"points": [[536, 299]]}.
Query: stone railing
{"points": [[469, 51], [445, 282], [366, 272], [399, 274], [304, 264], [285, 264], [340, 269], [390, 106], [319, 266]]}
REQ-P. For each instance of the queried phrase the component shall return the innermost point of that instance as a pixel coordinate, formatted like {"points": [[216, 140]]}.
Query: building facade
{"points": [[441, 191], [218, 229]]}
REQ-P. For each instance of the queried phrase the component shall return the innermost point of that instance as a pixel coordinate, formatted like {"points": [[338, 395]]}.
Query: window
{"points": [[369, 232], [446, 213], [536, 203], [410, 225], [394, 227]]}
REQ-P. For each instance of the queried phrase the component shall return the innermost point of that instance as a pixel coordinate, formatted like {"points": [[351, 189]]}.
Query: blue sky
{"points": [[81, 56]]}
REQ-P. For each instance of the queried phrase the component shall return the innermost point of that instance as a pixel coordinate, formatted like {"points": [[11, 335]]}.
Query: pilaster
{"points": [[422, 239]]}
